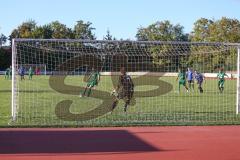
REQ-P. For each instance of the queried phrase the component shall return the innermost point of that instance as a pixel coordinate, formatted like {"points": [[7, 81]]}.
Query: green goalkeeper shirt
{"points": [[181, 76], [221, 75], [30, 71], [94, 77], [7, 72]]}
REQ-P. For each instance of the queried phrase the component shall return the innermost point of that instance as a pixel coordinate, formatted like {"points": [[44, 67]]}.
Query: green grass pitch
{"points": [[37, 101]]}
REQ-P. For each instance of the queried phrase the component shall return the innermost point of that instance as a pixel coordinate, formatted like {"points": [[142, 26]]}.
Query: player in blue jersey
{"points": [[22, 72], [190, 79], [199, 77]]}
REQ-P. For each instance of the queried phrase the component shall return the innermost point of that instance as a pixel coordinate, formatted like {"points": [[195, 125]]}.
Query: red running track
{"points": [[130, 143]]}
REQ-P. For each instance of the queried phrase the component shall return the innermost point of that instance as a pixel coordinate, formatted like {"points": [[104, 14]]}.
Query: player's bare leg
{"points": [[186, 88], [189, 85]]}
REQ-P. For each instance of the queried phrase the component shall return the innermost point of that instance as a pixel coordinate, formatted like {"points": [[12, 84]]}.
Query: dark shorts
{"points": [[221, 83], [126, 94], [199, 82], [190, 81], [182, 82]]}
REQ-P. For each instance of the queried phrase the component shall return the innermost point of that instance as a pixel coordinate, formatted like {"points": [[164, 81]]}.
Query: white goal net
{"points": [[100, 83]]}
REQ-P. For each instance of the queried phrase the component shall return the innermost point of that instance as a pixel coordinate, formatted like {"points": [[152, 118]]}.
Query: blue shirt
{"points": [[21, 71], [199, 77], [189, 75]]}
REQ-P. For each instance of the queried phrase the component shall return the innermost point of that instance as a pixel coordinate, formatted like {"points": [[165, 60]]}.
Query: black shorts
{"points": [[126, 94], [190, 81], [199, 82]]}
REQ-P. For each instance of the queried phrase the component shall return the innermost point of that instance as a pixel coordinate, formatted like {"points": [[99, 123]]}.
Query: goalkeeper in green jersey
{"points": [[30, 73], [181, 80], [221, 79], [8, 73], [92, 81]]}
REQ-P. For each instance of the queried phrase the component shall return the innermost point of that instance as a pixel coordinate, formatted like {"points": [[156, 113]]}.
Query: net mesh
{"points": [[57, 99]]}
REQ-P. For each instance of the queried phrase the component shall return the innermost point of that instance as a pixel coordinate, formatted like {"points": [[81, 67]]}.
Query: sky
{"points": [[121, 17]]}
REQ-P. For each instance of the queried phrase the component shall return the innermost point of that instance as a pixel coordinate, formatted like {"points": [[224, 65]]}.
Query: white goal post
{"points": [[14, 103], [238, 82], [158, 98]]}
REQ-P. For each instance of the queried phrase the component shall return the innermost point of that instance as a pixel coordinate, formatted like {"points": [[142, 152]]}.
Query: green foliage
{"points": [[53, 30], [223, 30], [25, 30], [60, 31], [83, 30], [162, 31], [5, 59], [43, 32], [204, 30], [3, 39], [203, 58], [201, 30], [108, 36]]}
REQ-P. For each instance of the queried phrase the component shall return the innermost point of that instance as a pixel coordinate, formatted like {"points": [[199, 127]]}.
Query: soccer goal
{"points": [[86, 83]]}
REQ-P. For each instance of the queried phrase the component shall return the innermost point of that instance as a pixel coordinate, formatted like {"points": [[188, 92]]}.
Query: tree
{"points": [[43, 32], [83, 30], [14, 34], [29, 29], [222, 30], [5, 58], [201, 30], [25, 30], [225, 30], [108, 36], [60, 31], [53, 30], [3, 39], [162, 31]]}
